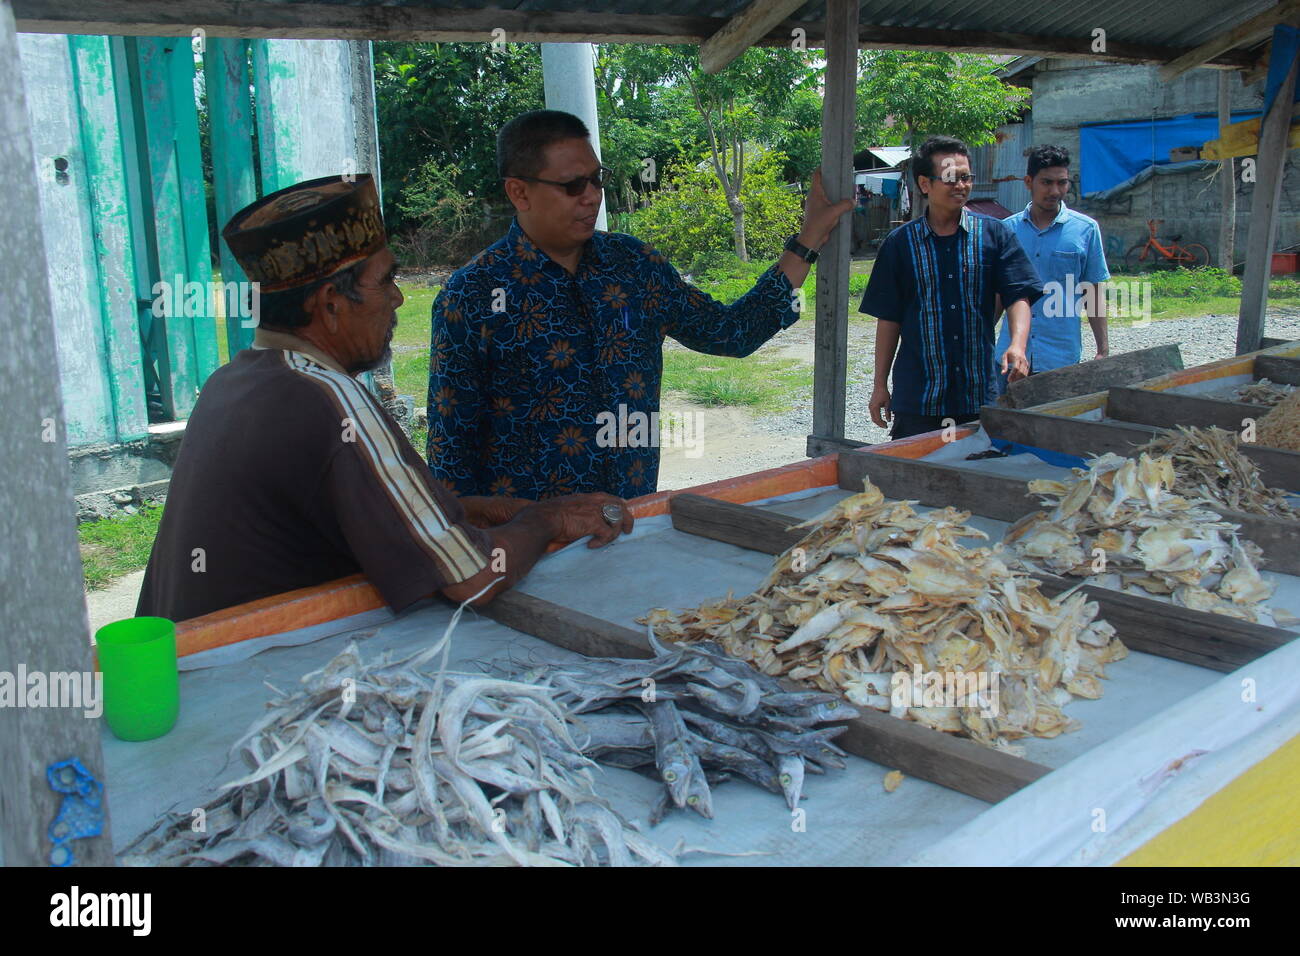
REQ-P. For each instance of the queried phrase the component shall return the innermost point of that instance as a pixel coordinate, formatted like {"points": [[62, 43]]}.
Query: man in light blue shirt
{"points": [[1065, 249]]}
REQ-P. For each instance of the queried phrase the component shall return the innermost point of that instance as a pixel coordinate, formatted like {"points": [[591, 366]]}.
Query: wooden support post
{"points": [[829, 446], [1142, 623], [954, 762], [1227, 181], [831, 348], [1278, 368], [1273, 137], [43, 626]]}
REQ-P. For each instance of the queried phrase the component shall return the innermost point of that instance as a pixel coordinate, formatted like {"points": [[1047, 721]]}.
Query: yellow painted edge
{"points": [[1233, 365], [1253, 821]]}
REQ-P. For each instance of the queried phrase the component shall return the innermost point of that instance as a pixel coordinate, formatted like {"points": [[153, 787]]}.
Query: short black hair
{"points": [[1044, 157], [923, 165], [286, 310], [521, 144]]}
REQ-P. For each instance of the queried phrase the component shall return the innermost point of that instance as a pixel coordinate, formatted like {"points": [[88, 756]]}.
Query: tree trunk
{"points": [[738, 226], [918, 199]]}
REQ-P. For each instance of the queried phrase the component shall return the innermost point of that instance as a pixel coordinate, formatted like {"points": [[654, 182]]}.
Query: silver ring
{"points": [[613, 514]]}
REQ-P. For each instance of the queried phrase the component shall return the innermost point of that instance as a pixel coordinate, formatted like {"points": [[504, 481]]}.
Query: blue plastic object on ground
{"points": [[82, 812]]}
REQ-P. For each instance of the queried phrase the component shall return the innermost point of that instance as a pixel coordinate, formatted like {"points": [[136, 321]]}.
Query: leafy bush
{"points": [[448, 225], [1195, 284], [690, 222], [727, 281], [1284, 289]]}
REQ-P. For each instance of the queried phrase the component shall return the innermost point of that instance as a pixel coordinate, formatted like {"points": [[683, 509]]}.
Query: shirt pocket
{"points": [[1068, 262]]}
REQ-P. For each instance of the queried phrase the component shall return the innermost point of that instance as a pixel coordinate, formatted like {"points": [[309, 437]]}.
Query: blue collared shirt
{"points": [[940, 290], [1068, 252], [533, 370]]}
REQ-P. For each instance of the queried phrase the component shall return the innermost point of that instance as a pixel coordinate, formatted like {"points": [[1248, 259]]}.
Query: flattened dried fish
{"points": [[922, 604], [407, 768]]}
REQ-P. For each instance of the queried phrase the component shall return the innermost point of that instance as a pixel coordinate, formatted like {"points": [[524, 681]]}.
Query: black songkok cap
{"points": [[307, 232]]}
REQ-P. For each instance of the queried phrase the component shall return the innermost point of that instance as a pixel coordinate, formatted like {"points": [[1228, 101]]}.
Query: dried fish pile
{"points": [[1280, 428], [875, 592], [696, 716], [1209, 466], [383, 764], [1126, 510], [1263, 392]]}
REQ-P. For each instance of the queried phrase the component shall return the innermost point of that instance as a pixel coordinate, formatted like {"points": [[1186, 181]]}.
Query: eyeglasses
{"points": [[575, 187], [965, 179]]}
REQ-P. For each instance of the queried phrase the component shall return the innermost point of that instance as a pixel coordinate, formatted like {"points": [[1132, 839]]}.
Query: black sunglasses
{"points": [[575, 187]]}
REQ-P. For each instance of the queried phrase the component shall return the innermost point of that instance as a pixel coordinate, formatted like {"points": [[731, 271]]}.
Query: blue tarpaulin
{"points": [[1286, 46], [1110, 153]]}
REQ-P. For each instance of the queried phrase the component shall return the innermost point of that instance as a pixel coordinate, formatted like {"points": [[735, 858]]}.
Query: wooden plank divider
{"points": [[1277, 467], [1170, 409], [1278, 368]]}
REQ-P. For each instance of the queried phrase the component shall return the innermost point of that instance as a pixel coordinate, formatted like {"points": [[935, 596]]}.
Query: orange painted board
{"points": [[918, 446]]}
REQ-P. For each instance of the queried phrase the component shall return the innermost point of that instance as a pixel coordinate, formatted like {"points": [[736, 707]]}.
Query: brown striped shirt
{"points": [[291, 474]]}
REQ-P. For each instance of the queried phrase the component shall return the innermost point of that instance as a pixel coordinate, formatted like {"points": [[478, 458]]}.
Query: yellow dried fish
{"points": [[1133, 524], [1209, 466], [884, 606], [1280, 428], [1263, 392]]}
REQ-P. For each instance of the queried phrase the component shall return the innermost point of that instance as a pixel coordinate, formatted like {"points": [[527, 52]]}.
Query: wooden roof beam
{"points": [[744, 30], [1246, 33]]}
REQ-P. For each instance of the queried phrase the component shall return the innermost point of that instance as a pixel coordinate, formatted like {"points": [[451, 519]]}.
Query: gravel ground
{"points": [[1202, 339]]}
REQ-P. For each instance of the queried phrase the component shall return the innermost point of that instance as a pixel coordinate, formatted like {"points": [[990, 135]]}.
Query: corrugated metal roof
{"points": [[889, 155], [990, 24]]}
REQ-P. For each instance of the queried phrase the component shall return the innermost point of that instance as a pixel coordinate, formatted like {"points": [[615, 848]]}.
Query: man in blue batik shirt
{"points": [[1065, 249], [936, 290], [556, 330]]}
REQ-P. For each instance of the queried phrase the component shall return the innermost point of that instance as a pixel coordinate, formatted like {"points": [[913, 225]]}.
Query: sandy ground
{"points": [[729, 444], [115, 601]]}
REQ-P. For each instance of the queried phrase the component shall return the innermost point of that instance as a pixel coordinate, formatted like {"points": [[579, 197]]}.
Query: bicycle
{"points": [[1193, 255]]}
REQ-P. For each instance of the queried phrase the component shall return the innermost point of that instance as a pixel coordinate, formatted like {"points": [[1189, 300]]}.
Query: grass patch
{"points": [[414, 318], [728, 283], [758, 382], [411, 373], [114, 547]]}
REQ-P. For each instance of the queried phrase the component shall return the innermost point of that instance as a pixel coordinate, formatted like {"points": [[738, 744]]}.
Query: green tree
{"points": [[645, 125], [442, 104], [747, 103], [929, 93], [688, 218]]}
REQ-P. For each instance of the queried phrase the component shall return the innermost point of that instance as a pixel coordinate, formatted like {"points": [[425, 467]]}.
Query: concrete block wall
{"points": [[1069, 93]]}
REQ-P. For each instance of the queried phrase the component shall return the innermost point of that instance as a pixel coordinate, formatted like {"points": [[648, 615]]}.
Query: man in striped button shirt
{"points": [[292, 474], [937, 288]]}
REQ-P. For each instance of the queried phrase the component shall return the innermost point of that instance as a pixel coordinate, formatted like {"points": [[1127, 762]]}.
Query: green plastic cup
{"points": [[137, 657]]}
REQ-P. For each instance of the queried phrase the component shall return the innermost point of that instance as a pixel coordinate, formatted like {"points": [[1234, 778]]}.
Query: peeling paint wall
{"points": [[315, 117], [52, 111]]}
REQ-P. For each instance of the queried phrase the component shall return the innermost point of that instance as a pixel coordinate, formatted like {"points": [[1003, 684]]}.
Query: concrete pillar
{"points": [[43, 624], [569, 74]]}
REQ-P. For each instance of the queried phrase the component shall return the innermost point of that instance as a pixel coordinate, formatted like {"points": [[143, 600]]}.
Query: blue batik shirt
{"points": [[1065, 254], [940, 290], [532, 369]]}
